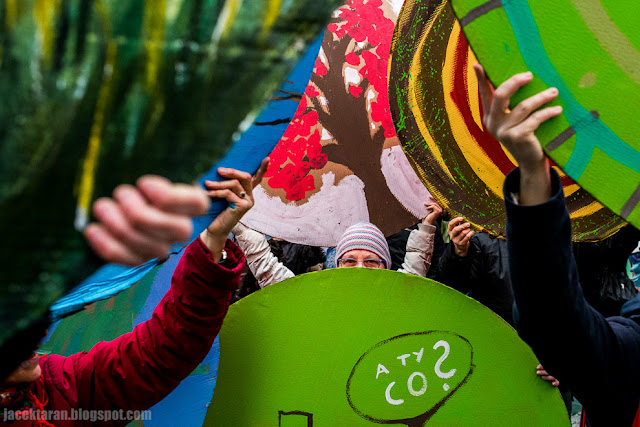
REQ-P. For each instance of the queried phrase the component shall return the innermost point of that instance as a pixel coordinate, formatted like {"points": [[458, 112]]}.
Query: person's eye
{"points": [[349, 262], [371, 263]]}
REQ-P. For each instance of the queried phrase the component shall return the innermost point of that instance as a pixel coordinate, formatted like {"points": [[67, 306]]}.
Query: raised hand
{"points": [[515, 130], [237, 190], [142, 222], [434, 210], [460, 233]]}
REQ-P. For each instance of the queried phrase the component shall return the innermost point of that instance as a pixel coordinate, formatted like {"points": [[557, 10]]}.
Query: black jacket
{"points": [[598, 357], [483, 274]]}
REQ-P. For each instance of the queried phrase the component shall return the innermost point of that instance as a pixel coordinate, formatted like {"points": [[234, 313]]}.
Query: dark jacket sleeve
{"points": [[598, 358], [138, 369], [456, 271]]}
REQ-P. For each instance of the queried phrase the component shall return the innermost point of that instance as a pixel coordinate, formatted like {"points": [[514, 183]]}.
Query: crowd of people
{"points": [[579, 313]]}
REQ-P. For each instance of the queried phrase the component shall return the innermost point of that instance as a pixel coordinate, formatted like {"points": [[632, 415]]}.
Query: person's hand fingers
{"points": [[149, 220], [524, 131], [459, 229], [115, 221], [526, 107], [243, 178], [537, 118], [238, 205], [484, 87], [228, 195], [466, 237], [108, 247], [502, 95], [461, 238], [257, 178], [453, 223], [554, 382], [433, 212], [433, 206], [232, 184], [179, 199]]}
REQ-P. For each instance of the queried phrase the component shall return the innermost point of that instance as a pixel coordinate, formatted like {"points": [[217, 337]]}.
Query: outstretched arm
{"points": [[574, 342], [138, 369]]}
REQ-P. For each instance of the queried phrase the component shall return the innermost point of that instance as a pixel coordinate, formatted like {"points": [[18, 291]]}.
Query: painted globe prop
{"points": [[436, 109], [357, 347], [589, 51]]}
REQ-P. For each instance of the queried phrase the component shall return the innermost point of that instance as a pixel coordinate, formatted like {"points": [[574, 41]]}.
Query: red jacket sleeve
{"points": [[140, 368]]}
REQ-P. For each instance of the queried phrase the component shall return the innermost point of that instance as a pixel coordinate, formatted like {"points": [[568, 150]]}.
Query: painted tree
{"points": [[347, 96]]}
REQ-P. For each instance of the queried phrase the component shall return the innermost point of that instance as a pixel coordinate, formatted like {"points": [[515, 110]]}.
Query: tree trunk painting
{"points": [[340, 161]]}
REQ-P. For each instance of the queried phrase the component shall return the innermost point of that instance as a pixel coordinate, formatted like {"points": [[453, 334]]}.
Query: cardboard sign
{"points": [[357, 347]]}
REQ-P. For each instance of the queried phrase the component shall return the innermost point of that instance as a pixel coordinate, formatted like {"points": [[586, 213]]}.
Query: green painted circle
{"points": [[589, 51], [312, 346]]}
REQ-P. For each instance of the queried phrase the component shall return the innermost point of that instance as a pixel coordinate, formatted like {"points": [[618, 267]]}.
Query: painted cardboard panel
{"points": [[436, 108], [99, 93], [340, 161], [363, 347], [589, 51]]}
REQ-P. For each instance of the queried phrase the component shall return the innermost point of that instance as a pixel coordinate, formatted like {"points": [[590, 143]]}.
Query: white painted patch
{"points": [[319, 222], [371, 95], [322, 56], [403, 181], [351, 76], [326, 135], [323, 100], [396, 5]]}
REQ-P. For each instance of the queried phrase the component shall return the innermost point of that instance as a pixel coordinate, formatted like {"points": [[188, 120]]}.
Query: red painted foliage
{"points": [[299, 151]]}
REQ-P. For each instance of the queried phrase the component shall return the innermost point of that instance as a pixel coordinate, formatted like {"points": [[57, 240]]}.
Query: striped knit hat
{"points": [[365, 236]]}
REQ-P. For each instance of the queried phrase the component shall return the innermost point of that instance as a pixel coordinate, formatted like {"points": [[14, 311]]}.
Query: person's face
{"points": [[361, 258], [28, 371]]}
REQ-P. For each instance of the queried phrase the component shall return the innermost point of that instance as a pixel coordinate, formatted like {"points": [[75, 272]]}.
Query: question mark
{"points": [[447, 350]]}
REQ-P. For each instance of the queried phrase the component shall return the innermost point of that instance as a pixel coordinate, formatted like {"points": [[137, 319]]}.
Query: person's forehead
{"points": [[360, 253]]}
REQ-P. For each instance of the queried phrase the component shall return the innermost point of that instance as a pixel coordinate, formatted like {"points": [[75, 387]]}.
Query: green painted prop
{"points": [[589, 51], [357, 347], [95, 93]]}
